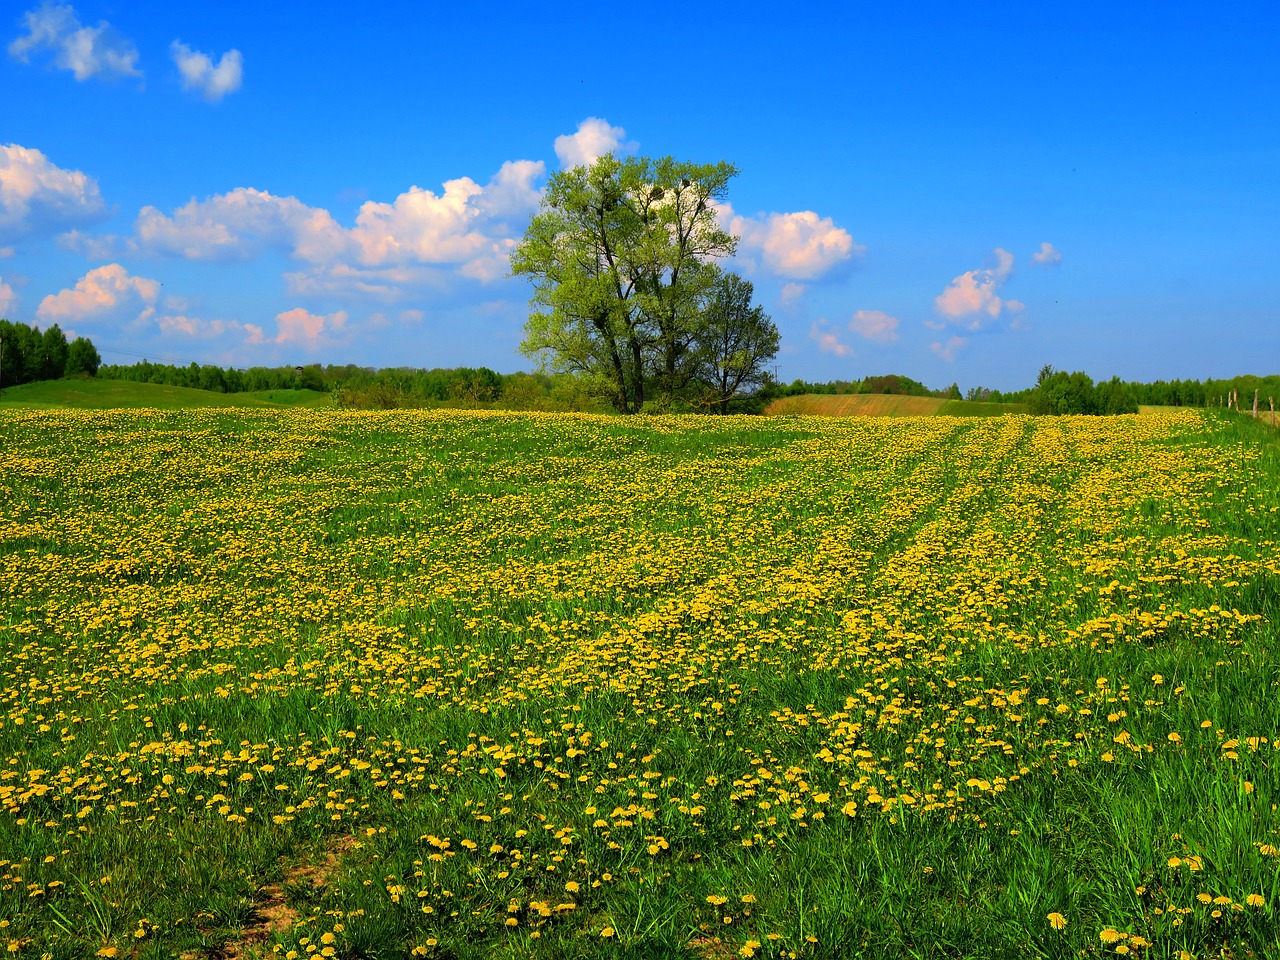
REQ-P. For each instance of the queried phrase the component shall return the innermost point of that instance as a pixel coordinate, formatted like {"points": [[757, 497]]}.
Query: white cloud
{"points": [[38, 197], [8, 301], [179, 324], [238, 225], [974, 293], [100, 292], [949, 350], [467, 229], [875, 325], [425, 227], [300, 326], [594, 138], [511, 191], [827, 340], [86, 51], [1047, 257], [105, 246], [797, 246], [200, 73]]}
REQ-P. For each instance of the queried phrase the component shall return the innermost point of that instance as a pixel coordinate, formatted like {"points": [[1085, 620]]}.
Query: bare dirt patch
{"points": [[274, 915]]}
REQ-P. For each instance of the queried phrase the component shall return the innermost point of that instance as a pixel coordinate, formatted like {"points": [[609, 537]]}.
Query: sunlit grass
{"points": [[454, 685]]}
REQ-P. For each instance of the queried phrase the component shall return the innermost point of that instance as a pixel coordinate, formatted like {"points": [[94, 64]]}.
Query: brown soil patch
{"points": [[274, 915]]}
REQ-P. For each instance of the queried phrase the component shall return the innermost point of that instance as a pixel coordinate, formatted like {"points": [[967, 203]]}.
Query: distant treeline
{"points": [[363, 388], [894, 384], [1058, 392], [32, 355], [28, 354]]}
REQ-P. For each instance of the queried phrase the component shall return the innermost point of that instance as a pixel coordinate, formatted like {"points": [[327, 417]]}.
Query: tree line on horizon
{"points": [[356, 387], [30, 354]]}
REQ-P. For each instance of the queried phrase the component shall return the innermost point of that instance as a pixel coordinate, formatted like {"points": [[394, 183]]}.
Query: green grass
{"points": [[886, 405], [97, 394], [974, 408], [840, 688]]}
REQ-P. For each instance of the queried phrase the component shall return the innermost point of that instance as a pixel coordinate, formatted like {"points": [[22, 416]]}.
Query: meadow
{"points": [[302, 683], [886, 405]]}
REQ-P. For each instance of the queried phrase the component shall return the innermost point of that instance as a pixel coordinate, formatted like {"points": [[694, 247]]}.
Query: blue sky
{"points": [[954, 192]]}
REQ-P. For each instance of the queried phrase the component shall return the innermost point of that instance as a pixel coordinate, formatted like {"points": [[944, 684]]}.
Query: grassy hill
{"points": [[109, 394], [885, 405]]}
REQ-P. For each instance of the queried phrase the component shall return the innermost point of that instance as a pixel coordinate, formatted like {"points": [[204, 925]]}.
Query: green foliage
{"points": [[733, 343], [1059, 393], [30, 355], [627, 290]]}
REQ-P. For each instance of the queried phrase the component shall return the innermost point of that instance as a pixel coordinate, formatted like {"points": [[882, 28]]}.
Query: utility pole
{"points": [[1, 364]]}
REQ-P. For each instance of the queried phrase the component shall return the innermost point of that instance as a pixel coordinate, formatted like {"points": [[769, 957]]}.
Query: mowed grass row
{"points": [[475, 685]]}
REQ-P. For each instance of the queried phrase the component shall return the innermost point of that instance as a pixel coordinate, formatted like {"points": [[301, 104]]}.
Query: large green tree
{"points": [[623, 258]]}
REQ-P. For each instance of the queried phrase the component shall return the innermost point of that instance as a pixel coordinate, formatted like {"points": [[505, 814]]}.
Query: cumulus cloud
{"points": [[460, 225], [466, 228], [86, 51], [180, 324], [238, 225], [593, 139], [101, 292], [875, 325], [353, 280], [199, 72], [8, 301], [1047, 257], [827, 340], [300, 326], [974, 293], [38, 197], [797, 246]]}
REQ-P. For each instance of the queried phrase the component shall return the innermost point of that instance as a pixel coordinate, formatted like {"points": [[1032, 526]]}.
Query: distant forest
{"points": [[28, 354], [479, 387]]}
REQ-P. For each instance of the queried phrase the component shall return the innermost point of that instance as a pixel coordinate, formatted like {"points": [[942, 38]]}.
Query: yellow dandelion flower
{"points": [[1057, 921]]}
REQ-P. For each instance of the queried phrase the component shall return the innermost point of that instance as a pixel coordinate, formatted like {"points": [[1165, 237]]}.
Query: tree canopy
{"points": [[623, 256], [28, 354]]}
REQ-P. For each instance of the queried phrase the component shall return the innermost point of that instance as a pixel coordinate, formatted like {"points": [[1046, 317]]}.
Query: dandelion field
{"points": [[486, 685]]}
